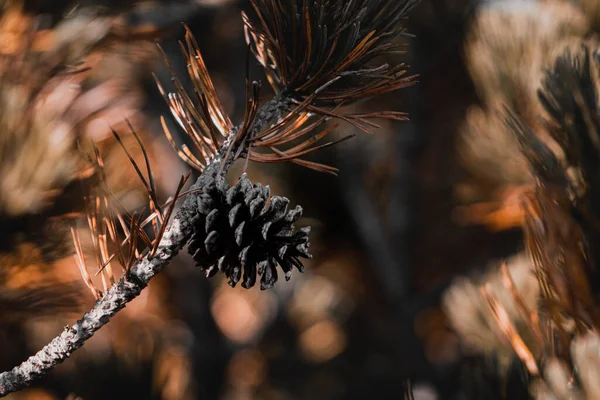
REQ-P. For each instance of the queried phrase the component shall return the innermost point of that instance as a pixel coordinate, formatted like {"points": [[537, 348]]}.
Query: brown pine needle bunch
{"points": [[50, 106], [211, 130], [559, 380], [507, 50], [116, 234], [318, 57], [543, 91], [238, 230], [49, 100], [44, 111], [561, 214], [561, 234], [329, 48], [510, 44], [62, 86], [493, 314]]}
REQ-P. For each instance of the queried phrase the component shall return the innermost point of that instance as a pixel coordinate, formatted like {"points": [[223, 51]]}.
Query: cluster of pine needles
{"points": [[552, 330], [319, 57]]}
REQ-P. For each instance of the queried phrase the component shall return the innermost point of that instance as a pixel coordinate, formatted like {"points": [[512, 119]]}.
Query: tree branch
{"points": [[130, 286]]}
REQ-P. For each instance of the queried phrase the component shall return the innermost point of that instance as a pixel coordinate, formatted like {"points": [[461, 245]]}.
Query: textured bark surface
{"points": [[129, 287], [115, 299]]}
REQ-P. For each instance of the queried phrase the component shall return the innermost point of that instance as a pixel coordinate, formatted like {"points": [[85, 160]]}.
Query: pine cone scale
{"points": [[243, 233]]}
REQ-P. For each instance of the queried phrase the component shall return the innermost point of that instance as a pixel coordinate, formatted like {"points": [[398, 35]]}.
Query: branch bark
{"points": [[115, 299], [130, 286]]}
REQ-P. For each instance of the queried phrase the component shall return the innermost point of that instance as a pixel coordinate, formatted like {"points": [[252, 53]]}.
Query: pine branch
{"points": [[331, 69], [131, 285]]}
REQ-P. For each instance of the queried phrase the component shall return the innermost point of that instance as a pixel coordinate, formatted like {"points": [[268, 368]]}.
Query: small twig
{"points": [[168, 215], [131, 285], [308, 84], [115, 299]]}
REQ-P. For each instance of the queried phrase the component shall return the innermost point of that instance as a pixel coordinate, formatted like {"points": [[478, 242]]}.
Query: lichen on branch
{"points": [[324, 54]]}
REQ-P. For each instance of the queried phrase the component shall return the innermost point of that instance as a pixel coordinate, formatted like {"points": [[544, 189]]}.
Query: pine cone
{"points": [[238, 228]]}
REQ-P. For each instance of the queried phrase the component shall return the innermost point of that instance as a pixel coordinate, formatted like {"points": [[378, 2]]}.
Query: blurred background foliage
{"points": [[391, 234]]}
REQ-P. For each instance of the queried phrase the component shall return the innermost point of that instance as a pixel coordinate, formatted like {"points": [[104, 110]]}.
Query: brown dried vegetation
{"points": [[541, 105]]}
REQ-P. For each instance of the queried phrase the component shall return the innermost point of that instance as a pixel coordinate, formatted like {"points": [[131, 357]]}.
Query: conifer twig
{"points": [[131, 285], [311, 76]]}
